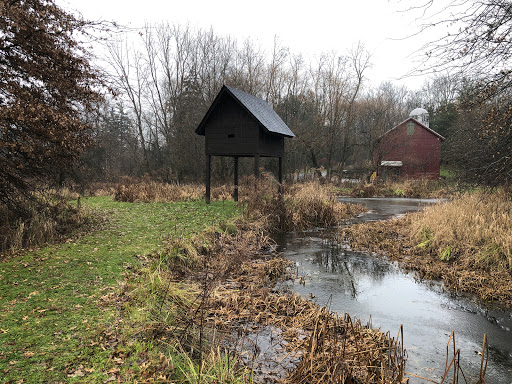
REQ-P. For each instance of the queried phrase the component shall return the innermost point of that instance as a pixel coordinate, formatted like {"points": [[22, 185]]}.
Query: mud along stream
{"points": [[368, 287]]}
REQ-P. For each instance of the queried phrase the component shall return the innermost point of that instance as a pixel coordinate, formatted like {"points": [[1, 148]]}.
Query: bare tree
{"points": [[478, 47], [360, 61], [131, 78]]}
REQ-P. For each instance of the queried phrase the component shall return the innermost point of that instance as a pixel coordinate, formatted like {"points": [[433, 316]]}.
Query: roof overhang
{"points": [[442, 138], [259, 109]]}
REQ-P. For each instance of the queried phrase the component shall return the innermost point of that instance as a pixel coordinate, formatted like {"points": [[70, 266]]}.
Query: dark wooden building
{"points": [[411, 149], [238, 124]]}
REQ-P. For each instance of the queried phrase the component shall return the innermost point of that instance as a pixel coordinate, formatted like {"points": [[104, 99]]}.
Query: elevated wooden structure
{"points": [[241, 125]]}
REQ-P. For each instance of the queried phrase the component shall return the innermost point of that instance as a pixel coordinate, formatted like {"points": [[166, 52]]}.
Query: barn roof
{"points": [[257, 108], [417, 122]]}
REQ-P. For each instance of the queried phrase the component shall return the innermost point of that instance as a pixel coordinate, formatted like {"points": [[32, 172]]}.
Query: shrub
{"points": [[302, 206], [45, 218]]}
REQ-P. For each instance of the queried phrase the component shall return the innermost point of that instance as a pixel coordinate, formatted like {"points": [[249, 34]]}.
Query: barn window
{"points": [[231, 135], [410, 128]]}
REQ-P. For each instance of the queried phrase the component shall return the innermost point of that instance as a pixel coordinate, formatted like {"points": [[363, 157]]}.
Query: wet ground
{"points": [[374, 290]]}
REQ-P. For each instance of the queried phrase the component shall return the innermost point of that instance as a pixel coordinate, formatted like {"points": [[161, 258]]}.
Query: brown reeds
{"points": [[452, 369], [466, 242], [300, 207], [146, 190], [235, 297], [476, 226], [46, 217], [411, 188]]}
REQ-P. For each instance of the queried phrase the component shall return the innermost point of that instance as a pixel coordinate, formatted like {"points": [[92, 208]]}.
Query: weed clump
{"points": [[300, 207], [45, 217]]}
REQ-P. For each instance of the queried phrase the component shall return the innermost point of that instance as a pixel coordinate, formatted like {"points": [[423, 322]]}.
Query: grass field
{"points": [[54, 326]]}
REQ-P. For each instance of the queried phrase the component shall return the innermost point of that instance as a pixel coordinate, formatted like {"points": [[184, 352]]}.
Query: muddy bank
{"points": [[392, 238]]}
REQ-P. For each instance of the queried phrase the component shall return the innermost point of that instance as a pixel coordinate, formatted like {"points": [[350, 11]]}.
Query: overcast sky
{"points": [[309, 28]]}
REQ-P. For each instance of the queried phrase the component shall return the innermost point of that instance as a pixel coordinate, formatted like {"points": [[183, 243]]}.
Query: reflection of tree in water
{"points": [[350, 266]]}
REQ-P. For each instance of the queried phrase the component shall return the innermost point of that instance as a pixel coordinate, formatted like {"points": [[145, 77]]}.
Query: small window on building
{"points": [[410, 128]]}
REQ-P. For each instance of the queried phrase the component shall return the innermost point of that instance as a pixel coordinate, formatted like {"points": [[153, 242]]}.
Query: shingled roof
{"points": [[256, 107]]}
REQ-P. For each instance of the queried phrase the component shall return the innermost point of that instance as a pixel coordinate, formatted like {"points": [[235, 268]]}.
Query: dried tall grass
{"points": [[465, 242], [411, 188], [300, 207], [147, 190], [476, 227], [46, 217]]}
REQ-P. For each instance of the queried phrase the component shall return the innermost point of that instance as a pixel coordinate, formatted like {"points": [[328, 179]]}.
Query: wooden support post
{"points": [[208, 167], [257, 166], [236, 179], [280, 175]]}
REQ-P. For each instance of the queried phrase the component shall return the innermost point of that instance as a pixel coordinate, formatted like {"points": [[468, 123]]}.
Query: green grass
{"points": [[447, 173], [51, 314]]}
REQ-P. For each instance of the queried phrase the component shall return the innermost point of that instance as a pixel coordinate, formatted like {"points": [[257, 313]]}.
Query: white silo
{"points": [[420, 115]]}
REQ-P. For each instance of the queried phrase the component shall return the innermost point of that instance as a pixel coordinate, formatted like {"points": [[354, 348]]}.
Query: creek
{"points": [[372, 289]]}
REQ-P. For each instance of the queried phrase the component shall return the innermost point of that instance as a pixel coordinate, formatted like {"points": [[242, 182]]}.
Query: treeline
{"points": [[168, 76]]}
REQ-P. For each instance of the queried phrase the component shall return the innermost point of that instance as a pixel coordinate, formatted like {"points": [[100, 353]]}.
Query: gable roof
{"points": [[417, 122], [256, 107]]}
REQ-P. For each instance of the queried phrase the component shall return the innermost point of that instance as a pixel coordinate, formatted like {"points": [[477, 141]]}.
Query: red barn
{"points": [[411, 149]]}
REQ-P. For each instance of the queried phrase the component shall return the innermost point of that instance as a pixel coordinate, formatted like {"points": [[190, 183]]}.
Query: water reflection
{"points": [[365, 286], [350, 268]]}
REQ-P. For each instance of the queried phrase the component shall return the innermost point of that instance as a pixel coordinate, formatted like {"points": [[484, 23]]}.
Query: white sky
{"points": [[309, 28]]}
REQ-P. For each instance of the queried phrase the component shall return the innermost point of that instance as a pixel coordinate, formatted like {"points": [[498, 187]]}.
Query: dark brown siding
{"points": [[231, 131], [271, 144]]}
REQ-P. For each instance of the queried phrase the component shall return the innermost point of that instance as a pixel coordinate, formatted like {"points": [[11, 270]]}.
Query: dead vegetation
{"points": [[147, 190], [466, 242], [234, 304], [301, 206], [411, 188], [46, 217]]}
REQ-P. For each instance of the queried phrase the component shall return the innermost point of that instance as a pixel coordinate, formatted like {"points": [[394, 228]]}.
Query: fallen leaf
{"points": [[78, 372], [28, 354]]}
